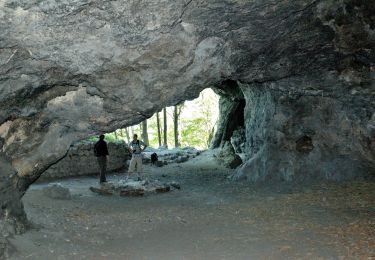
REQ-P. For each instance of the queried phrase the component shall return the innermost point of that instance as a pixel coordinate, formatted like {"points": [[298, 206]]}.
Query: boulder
{"points": [[227, 156], [238, 140], [182, 159]]}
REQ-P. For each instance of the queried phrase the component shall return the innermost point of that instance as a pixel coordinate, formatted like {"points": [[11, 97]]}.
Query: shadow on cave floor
{"points": [[209, 218]]}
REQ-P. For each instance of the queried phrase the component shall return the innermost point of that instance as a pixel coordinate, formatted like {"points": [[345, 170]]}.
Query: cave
{"points": [[295, 79]]}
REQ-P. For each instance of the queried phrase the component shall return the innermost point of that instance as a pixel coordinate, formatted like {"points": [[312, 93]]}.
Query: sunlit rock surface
{"points": [[72, 68]]}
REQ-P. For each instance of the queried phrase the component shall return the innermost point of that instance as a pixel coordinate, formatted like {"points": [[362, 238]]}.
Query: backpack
{"points": [[154, 157]]}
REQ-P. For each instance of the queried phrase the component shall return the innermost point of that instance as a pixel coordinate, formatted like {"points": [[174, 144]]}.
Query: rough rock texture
{"points": [[135, 188], [228, 157], [231, 117], [56, 191], [293, 136], [80, 160], [238, 140], [71, 68]]}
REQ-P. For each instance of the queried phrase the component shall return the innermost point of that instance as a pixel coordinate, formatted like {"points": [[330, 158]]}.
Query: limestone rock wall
{"points": [[80, 160], [304, 137], [231, 116], [238, 140]]}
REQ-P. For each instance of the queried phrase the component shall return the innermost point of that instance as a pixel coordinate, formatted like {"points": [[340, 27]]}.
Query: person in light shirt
{"points": [[135, 148]]}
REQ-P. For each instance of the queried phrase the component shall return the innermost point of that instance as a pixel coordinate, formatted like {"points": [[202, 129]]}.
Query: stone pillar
{"points": [[13, 218], [12, 188], [231, 112], [230, 118]]}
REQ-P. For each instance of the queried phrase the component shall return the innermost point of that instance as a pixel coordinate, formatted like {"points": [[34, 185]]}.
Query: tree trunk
{"points": [[116, 137], [175, 124], [158, 126], [210, 137], [165, 127], [144, 132], [127, 134]]}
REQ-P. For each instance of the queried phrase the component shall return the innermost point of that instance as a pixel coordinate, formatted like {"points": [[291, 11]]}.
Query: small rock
{"points": [[101, 191], [237, 161], [182, 159], [57, 192], [175, 185], [163, 189]]}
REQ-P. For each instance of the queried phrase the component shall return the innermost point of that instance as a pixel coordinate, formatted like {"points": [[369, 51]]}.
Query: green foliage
{"points": [[198, 127], [110, 137], [197, 119], [192, 133]]}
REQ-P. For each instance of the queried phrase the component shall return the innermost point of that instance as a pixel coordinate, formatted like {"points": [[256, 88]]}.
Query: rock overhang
{"points": [[73, 68], [305, 68]]}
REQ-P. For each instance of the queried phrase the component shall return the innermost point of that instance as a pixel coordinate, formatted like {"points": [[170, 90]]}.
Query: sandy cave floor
{"points": [[211, 217]]}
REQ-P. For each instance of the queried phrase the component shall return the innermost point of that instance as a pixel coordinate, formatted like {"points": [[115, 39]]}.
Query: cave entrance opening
{"points": [[180, 131], [191, 123], [215, 120]]}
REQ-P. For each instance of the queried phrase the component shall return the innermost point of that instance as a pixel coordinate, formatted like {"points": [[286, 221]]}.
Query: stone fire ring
{"points": [[132, 188]]}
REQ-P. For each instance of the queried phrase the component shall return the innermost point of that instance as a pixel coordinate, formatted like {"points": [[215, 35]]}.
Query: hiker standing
{"points": [[101, 152], [135, 148]]}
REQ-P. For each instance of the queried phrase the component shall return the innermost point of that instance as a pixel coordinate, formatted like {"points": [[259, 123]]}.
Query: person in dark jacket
{"points": [[101, 152]]}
